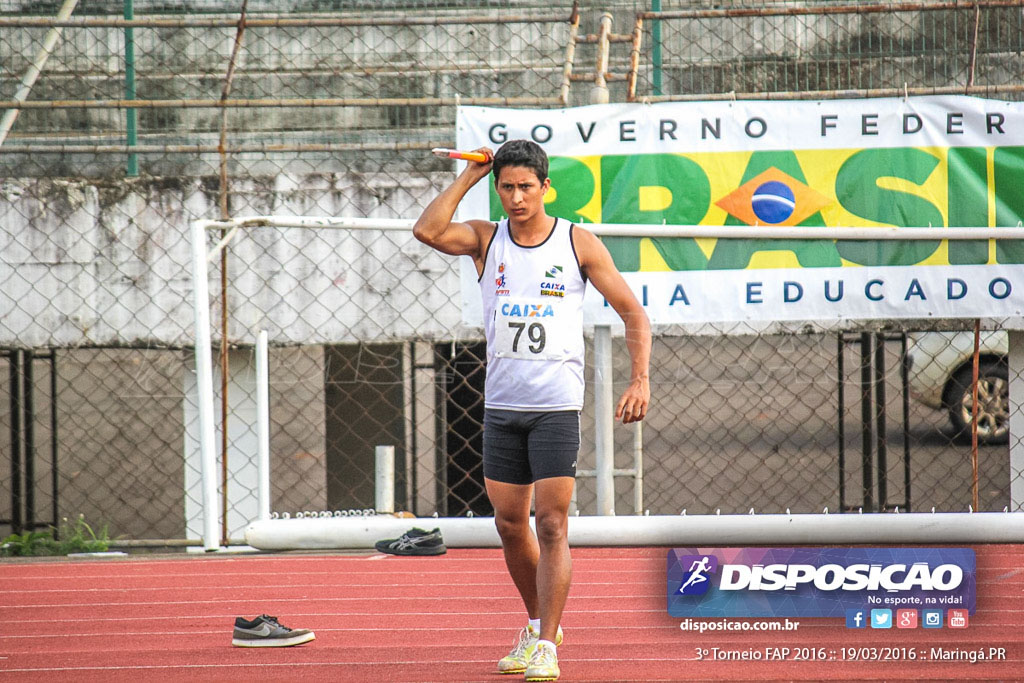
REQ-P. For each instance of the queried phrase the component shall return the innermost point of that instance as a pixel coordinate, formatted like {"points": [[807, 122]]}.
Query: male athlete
{"points": [[533, 270]]}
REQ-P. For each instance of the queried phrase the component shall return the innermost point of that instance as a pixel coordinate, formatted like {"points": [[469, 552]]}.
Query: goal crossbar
{"points": [[313, 533], [872, 528]]}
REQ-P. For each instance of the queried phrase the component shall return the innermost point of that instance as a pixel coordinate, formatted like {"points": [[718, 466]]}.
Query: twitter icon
{"points": [[881, 618]]}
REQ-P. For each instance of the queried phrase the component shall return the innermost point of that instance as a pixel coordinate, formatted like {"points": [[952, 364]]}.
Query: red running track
{"points": [[448, 618]]}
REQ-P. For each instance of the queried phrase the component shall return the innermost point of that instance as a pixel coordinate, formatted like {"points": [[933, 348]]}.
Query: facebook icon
{"points": [[856, 618]]}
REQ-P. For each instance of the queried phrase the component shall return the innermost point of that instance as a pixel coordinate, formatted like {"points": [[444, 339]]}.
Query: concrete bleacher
{"points": [[382, 59], [376, 60]]}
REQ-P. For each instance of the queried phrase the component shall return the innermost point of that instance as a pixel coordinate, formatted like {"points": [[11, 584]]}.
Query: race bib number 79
{"points": [[529, 330]]}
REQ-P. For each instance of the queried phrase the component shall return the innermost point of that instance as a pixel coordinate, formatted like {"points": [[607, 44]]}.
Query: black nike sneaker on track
{"points": [[265, 631]]}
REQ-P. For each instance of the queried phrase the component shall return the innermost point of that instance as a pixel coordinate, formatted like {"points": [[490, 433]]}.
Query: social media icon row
{"points": [[905, 618]]}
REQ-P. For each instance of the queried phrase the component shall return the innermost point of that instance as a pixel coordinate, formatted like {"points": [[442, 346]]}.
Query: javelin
{"points": [[478, 157]]}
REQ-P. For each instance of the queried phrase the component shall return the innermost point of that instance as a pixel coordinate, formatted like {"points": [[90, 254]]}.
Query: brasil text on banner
{"points": [[919, 162]]}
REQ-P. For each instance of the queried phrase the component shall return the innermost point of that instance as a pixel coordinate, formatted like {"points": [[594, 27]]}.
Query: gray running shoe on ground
{"points": [[264, 631], [414, 542]]}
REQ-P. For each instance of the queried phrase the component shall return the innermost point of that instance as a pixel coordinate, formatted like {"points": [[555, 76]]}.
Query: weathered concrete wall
{"points": [[445, 60], [100, 263]]}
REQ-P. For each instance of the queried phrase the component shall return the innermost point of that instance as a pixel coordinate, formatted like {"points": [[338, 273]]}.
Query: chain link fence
{"points": [[143, 118], [830, 49]]}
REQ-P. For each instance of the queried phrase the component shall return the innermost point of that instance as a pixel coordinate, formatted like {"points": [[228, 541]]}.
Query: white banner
{"points": [[929, 161]]}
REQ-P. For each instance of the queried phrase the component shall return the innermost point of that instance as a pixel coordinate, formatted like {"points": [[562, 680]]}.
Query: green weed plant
{"points": [[73, 537]]}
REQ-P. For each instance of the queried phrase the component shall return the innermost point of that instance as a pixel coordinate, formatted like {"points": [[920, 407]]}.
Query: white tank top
{"points": [[533, 322]]}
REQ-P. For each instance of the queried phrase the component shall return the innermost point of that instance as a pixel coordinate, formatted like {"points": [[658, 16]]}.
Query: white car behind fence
{"points": [[940, 377]]}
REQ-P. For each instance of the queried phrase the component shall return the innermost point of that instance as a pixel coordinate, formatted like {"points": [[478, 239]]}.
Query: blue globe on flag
{"points": [[773, 202]]}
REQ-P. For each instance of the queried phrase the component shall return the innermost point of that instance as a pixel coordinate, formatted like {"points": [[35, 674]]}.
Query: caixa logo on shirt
{"points": [[552, 289], [526, 310], [783, 582]]}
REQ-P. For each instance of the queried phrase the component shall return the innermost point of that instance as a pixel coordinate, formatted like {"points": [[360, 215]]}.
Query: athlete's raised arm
{"points": [[598, 267], [436, 228]]}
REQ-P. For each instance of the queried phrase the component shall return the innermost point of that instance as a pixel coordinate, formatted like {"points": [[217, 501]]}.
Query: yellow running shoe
{"points": [[516, 661], [543, 664]]}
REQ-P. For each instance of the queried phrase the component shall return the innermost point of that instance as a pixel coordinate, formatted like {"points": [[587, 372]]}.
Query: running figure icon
{"points": [[697, 571]]}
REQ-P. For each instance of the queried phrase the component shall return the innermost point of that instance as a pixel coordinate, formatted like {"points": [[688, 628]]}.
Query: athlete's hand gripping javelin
{"points": [[435, 226], [480, 169]]}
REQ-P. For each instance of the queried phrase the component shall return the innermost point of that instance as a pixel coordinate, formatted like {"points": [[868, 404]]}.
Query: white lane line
{"points": [[149, 667], [292, 615], [446, 599], [1009, 574], [293, 574], [285, 586], [419, 664], [431, 614], [248, 565], [471, 629]]}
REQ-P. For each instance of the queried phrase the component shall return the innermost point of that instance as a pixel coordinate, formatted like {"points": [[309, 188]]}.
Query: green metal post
{"points": [[656, 48], [131, 122]]}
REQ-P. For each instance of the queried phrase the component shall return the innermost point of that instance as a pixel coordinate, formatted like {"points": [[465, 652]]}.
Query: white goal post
{"points": [[653, 530]]}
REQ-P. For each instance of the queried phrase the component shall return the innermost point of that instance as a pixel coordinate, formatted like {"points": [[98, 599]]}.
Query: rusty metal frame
{"points": [[225, 214], [570, 56], [603, 39], [209, 103], [283, 21], [279, 21], [634, 59], [776, 10], [241, 148], [781, 10], [973, 58], [981, 90]]}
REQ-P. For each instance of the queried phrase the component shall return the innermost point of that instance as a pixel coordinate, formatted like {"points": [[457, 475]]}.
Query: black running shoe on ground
{"points": [[264, 631], [414, 542]]}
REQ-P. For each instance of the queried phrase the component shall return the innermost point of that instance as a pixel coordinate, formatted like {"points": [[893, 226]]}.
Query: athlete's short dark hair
{"points": [[524, 153]]}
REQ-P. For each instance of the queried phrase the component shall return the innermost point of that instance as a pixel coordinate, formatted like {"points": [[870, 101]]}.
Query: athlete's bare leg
{"points": [[512, 517], [539, 564], [554, 568]]}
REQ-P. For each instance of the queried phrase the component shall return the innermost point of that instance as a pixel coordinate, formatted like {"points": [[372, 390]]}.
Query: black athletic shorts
{"points": [[522, 447]]}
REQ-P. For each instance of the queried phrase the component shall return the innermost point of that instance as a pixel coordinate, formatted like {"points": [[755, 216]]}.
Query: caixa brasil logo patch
{"points": [[817, 582]]}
